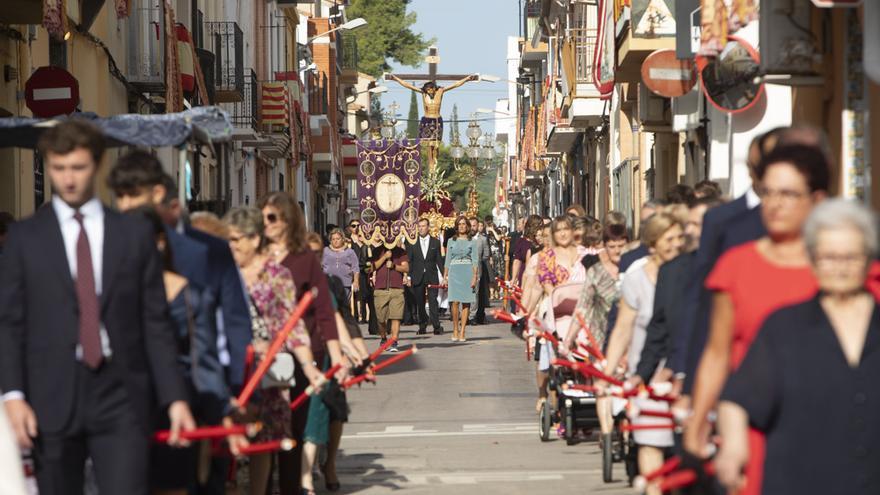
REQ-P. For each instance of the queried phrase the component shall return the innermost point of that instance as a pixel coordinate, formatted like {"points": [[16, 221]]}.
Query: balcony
{"points": [[146, 52], [586, 108], [229, 75], [349, 59], [562, 137], [245, 113]]}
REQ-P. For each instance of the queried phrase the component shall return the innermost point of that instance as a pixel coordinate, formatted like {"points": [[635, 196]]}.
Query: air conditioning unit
{"points": [[786, 40], [653, 110]]}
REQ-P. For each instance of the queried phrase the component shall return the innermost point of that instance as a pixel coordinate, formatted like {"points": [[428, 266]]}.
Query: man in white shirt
{"points": [[425, 266], [86, 347]]}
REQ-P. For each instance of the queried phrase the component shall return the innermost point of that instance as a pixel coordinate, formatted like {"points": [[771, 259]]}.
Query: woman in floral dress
{"points": [[272, 298]]}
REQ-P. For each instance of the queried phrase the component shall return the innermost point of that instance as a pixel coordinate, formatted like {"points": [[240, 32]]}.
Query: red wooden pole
{"points": [[276, 345]]}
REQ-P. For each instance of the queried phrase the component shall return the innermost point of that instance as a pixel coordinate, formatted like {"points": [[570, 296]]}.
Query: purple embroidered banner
{"points": [[389, 186]]}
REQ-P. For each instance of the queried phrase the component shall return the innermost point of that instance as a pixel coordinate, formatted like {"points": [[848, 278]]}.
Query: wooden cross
{"points": [[433, 60]]}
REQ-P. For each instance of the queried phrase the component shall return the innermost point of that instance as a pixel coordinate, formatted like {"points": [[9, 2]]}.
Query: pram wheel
{"points": [[545, 421], [631, 461], [607, 457]]}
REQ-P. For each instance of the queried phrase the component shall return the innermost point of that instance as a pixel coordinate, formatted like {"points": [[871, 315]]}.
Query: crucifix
{"points": [[431, 125]]}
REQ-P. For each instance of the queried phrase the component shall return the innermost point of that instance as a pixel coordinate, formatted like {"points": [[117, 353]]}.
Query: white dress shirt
{"points": [[752, 198], [93, 220], [423, 242]]}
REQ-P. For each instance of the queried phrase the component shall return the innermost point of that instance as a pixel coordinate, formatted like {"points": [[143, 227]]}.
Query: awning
{"points": [[204, 124], [562, 139], [349, 152]]}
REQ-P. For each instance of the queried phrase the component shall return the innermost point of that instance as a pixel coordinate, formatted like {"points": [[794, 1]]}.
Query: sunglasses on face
{"points": [[271, 218]]}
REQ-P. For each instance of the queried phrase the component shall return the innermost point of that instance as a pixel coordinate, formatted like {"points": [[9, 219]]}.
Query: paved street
{"points": [[459, 418]]}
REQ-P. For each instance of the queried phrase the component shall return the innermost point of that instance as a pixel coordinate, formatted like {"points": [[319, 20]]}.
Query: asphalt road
{"points": [[459, 418]]}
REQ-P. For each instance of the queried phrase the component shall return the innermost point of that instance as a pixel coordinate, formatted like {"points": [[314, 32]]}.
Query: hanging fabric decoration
{"points": [[720, 18], [55, 18], [742, 12], [713, 22], [123, 8], [173, 92], [186, 59], [389, 178]]}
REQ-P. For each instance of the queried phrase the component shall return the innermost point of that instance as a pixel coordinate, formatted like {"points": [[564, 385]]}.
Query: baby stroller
{"points": [[619, 446], [574, 407]]}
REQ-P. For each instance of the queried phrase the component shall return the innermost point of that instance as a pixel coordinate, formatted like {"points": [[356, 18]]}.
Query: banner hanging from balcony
{"points": [[389, 186], [275, 104]]}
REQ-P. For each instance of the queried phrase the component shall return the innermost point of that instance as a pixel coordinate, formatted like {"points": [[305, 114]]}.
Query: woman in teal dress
{"points": [[461, 276]]}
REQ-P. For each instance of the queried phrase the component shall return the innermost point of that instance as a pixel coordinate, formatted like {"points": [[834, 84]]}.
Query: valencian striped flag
{"points": [[274, 104]]}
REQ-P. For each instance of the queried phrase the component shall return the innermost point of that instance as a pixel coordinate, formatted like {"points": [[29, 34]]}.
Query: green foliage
{"points": [[412, 125], [461, 181], [387, 35], [454, 131]]}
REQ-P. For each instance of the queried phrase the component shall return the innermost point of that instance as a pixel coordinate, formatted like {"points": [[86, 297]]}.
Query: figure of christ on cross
{"points": [[431, 125]]}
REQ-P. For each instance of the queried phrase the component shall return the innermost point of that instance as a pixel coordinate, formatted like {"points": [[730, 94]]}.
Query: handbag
{"points": [[281, 373]]}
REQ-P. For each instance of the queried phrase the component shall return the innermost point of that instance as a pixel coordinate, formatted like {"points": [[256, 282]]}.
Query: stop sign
{"points": [[666, 75], [51, 91]]}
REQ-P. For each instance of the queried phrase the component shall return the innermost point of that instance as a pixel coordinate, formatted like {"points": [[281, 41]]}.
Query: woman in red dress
{"points": [[753, 280]]}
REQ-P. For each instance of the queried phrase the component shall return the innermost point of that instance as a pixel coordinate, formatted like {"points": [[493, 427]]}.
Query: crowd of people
{"points": [[133, 319], [755, 317]]}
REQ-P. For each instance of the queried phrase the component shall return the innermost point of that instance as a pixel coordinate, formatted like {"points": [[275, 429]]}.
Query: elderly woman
{"points": [[753, 280], [272, 298], [341, 261], [809, 379], [663, 235]]}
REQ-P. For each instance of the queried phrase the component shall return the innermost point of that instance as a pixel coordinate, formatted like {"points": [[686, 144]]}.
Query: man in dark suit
{"points": [[87, 351], [424, 263], [138, 179]]}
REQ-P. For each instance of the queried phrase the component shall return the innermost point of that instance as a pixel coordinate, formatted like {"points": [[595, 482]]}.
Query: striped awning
{"points": [[349, 152], [275, 104]]}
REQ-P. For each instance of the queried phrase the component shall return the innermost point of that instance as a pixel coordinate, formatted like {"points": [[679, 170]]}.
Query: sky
{"points": [[471, 37]]}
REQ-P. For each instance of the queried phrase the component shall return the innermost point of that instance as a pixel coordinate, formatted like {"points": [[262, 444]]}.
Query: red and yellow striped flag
{"points": [[275, 105]]}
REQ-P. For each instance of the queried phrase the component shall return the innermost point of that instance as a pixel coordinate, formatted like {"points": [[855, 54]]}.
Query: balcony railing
{"points": [[146, 52], [277, 50], [246, 113], [584, 30], [349, 52], [229, 74]]}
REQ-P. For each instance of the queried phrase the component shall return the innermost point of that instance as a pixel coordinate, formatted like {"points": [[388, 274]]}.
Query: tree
{"points": [[453, 125], [387, 35], [461, 182], [412, 124]]}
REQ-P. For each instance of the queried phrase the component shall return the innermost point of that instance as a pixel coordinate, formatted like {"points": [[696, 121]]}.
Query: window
{"points": [[351, 188]]}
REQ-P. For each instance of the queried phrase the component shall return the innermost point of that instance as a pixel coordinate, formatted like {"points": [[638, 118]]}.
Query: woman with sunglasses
{"points": [[272, 297], [286, 231], [460, 275]]}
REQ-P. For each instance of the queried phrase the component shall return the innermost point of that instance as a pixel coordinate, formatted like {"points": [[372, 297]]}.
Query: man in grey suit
{"points": [[483, 254]]}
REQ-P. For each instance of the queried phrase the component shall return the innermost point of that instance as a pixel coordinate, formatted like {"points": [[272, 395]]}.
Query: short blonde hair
{"points": [[209, 223], [656, 225]]}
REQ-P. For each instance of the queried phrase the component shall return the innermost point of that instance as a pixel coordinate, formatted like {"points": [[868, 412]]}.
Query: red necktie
{"points": [[89, 319]]}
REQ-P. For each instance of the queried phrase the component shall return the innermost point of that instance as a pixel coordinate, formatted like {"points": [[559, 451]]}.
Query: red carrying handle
{"points": [[311, 390], [593, 342], [284, 444], [208, 432], [647, 427], [684, 478], [275, 347], [379, 367]]}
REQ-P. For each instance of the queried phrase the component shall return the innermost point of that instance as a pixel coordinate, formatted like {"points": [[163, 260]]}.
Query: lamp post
{"points": [[475, 151], [348, 26]]}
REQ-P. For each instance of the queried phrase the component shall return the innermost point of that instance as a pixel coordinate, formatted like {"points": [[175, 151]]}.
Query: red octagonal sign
{"points": [[51, 91]]}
